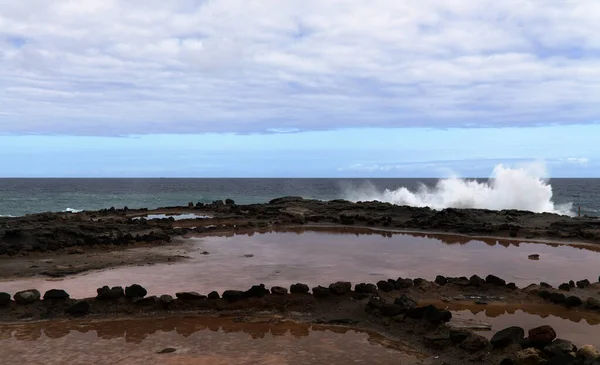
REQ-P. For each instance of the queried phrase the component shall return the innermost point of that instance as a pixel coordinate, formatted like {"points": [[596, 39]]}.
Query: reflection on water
{"points": [[197, 341], [324, 256]]}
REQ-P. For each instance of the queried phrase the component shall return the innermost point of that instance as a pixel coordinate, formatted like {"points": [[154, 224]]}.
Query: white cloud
{"points": [[185, 66]]}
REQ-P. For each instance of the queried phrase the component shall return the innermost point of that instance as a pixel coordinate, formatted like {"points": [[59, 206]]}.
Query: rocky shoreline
{"points": [[73, 232]]}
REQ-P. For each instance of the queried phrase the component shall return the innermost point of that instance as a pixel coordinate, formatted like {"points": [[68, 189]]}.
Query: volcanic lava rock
{"points": [[189, 296], [4, 299], [55, 294], [135, 291], [256, 291], [476, 281], [583, 283], [385, 286], [277, 290], [574, 301], [340, 288], [494, 280], [106, 293], [213, 295], [441, 280], [560, 347], [557, 298], [233, 295], [508, 336], [365, 288], [78, 309], [166, 299], [299, 289], [27, 296], [564, 286], [541, 336], [321, 292], [404, 283]]}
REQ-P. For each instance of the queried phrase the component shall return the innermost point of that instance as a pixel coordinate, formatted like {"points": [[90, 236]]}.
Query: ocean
{"points": [[24, 196]]}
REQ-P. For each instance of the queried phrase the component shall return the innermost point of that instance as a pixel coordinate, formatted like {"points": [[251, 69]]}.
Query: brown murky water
{"points": [[322, 257], [196, 341]]}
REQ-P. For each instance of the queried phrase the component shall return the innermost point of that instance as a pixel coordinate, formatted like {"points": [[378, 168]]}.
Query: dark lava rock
{"points": [[135, 291], [233, 295], [564, 359], [145, 301], [571, 283], [27, 296], [277, 290], [404, 283], [256, 291], [299, 289], [494, 280], [542, 336], [4, 299], [365, 288], [574, 301], [106, 293], [385, 286], [545, 294], [189, 296], [458, 336], [56, 294], [583, 283], [545, 285], [391, 310], [213, 295], [441, 280], [78, 309], [508, 336], [557, 298], [406, 302], [419, 282], [435, 315], [560, 347], [476, 281], [340, 288], [592, 303], [564, 286], [320, 292], [474, 343], [416, 313], [166, 299], [511, 286]]}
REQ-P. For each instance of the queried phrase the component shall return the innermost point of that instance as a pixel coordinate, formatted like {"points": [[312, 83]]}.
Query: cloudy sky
{"points": [[298, 87]]}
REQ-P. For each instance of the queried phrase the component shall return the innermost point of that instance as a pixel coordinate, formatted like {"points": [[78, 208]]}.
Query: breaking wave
{"points": [[71, 210], [523, 188]]}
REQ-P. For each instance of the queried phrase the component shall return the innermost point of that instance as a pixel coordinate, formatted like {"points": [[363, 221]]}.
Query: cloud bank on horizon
{"points": [[110, 67]]}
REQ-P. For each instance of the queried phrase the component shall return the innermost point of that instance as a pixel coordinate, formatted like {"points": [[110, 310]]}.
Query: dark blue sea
{"points": [[24, 196]]}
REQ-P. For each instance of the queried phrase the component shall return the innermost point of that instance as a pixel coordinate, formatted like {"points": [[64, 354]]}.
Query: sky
{"points": [[298, 88]]}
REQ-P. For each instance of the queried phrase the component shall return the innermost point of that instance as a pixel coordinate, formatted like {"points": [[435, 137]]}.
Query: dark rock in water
{"points": [[564, 286], [106, 293], [574, 301], [476, 281], [391, 310], [189, 296], [320, 292], [511, 286], [441, 280], [571, 283], [78, 309], [135, 291], [508, 336], [340, 288], [56, 294], [256, 291], [404, 283], [277, 290], [560, 347], [494, 280], [385, 286], [365, 288], [458, 336], [583, 283], [166, 299], [4, 299], [474, 343], [167, 350], [406, 302], [299, 289], [557, 298], [534, 257], [546, 285], [592, 303], [564, 359], [233, 295], [419, 282], [542, 336], [213, 295], [27, 296], [435, 315]]}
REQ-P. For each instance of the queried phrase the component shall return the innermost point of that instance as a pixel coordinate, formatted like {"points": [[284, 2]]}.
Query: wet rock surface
{"points": [[508, 336], [27, 296]]}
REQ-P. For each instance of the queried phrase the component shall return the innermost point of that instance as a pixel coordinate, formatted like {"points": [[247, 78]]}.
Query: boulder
{"points": [[320, 292], [564, 286], [385, 286], [27, 296], [277, 290], [560, 347], [233, 295], [441, 280], [166, 299], [135, 291], [534, 257], [574, 301], [106, 293], [340, 288], [404, 283], [476, 281], [508, 336], [78, 309], [416, 313], [583, 283], [56, 294], [557, 298], [474, 343], [406, 302], [587, 353], [189, 296], [571, 283], [592, 303], [4, 299], [213, 295], [365, 288], [545, 285], [419, 282], [530, 356], [256, 291], [511, 286], [541, 336], [494, 280], [434, 315], [299, 289]]}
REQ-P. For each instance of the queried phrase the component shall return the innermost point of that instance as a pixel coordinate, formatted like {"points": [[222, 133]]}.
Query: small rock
{"points": [[587, 352], [534, 257], [441, 280], [166, 299], [560, 347], [320, 292], [365, 288], [542, 336], [168, 350], [406, 302], [571, 283], [404, 283], [4, 299], [574, 301], [530, 356], [476, 281], [56, 294], [233, 295], [583, 283], [78, 309], [205, 253], [277, 290], [340, 288], [249, 255], [299, 289], [385, 286], [213, 295], [27, 296], [189, 296], [474, 343], [592, 303], [135, 291], [494, 280], [508, 336], [564, 286]]}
